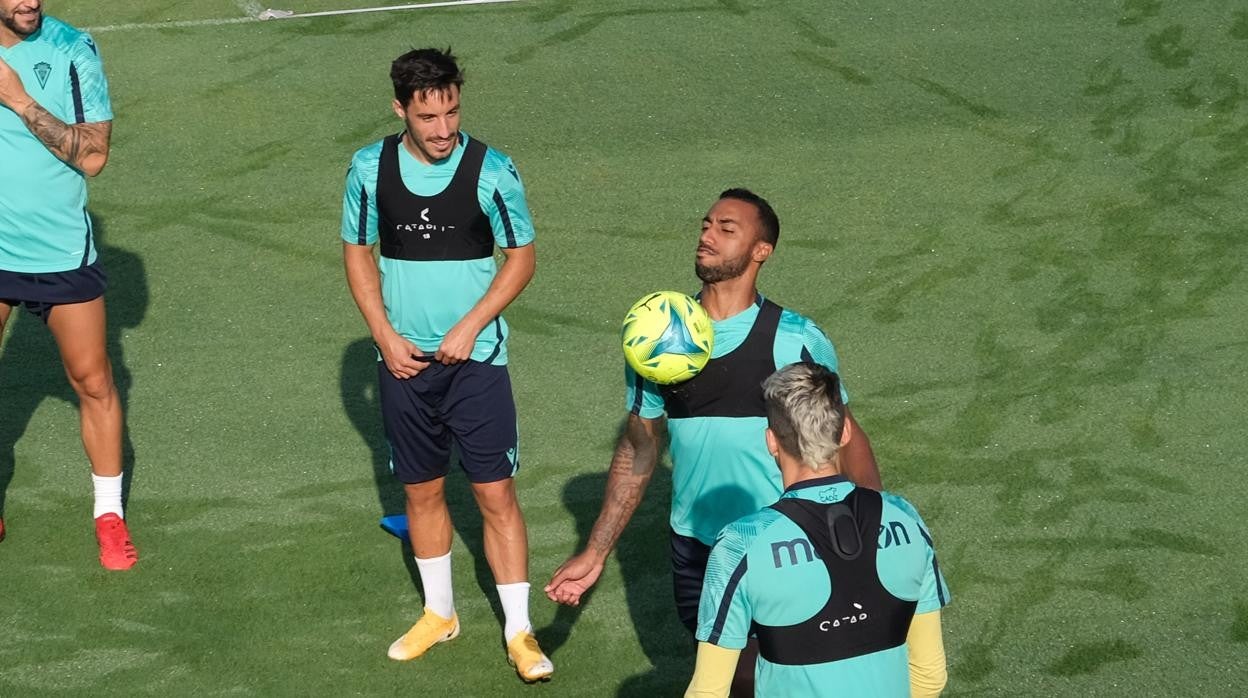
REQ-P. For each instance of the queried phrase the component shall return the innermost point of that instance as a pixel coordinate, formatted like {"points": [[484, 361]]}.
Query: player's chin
{"points": [[28, 24]]}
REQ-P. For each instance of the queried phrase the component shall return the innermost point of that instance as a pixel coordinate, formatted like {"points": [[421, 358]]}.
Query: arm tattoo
{"points": [[73, 144], [631, 467]]}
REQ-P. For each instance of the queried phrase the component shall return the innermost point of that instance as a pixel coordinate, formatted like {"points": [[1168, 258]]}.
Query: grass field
{"points": [[1023, 224]]}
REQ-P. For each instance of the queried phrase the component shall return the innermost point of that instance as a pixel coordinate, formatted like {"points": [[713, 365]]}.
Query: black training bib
{"points": [[449, 225], [730, 386]]}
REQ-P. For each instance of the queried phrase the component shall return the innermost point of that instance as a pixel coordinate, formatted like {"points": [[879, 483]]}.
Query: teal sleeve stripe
{"points": [[359, 205], [508, 231], [362, 232], [501, 195], [725, 603], [639, 393], [87, 248], [498, 341], [819, 348], [940, 591], [75, 87], [90, 84]]}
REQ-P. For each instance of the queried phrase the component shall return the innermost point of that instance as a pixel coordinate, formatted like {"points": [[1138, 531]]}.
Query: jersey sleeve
{"points": [[724, 612], [818, 348], [359, 201], [501, 194], [933, 591], [644, 398], [87, 78]]}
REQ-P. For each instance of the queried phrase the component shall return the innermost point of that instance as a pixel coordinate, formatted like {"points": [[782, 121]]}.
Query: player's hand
{"points": [[574, 578], [12, 91], [458, 344], [397, 352]]}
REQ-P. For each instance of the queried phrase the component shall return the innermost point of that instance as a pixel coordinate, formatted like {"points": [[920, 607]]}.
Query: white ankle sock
{"points": [[107, 495], [515, 600], [435, 577]]}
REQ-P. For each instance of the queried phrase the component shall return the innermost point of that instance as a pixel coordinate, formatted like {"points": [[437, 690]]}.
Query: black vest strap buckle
{"points": [[846, 537]]}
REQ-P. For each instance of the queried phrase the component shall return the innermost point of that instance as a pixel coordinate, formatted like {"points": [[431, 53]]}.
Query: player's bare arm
{"points": [[633, 463], [82, 146], [631, 467], [858, 460], [364, 280], [515, 274]]}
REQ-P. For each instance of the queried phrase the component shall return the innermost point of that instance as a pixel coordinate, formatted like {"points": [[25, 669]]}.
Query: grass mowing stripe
{"points": [[175, 24], [391, 8], [253, 16]]}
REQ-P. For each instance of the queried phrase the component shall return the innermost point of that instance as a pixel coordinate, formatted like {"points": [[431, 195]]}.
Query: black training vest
{"points": [[861, 616], [730, 386], [449, 225]]}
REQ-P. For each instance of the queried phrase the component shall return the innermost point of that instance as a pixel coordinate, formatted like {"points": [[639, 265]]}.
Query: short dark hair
{"points": [[424, 70], [766, 214]]}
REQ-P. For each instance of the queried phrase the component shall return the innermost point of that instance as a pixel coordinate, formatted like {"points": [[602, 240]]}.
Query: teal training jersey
{"points": [[761, 570], [44, 225], [721, 469], [424, 299]]}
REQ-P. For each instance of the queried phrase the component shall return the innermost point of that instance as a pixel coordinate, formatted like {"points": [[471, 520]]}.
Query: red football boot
{"points": [[116, 550]]}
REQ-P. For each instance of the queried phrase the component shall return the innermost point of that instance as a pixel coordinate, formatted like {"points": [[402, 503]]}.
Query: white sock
{"points": [[435, 577], [515, 600], [107, 495]]}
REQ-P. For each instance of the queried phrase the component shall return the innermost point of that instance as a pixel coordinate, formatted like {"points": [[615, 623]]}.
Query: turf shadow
{"points": [[358, 387], [644, 558], [31, 370], [1088, 657], [357, 382], [1239, 624]]}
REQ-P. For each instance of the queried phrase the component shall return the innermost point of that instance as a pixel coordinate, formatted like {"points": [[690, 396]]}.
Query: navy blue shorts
{"points": [[689, 558], [40, 293], [468, 406]]}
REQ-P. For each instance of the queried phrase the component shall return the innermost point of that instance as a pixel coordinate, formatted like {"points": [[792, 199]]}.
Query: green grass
{"points": [[1022, 224]]}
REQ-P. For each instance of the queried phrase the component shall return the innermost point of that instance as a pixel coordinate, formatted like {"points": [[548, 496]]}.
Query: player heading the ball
{"points": [[721, 469]]}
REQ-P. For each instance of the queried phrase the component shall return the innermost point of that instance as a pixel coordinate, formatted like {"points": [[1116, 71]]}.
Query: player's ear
{"points": [[773, 446], [399, 111], [762, 250], [847, 424]]}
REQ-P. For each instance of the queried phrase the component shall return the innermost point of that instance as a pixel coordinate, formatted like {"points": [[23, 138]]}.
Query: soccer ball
{"points": [[667, 337]]}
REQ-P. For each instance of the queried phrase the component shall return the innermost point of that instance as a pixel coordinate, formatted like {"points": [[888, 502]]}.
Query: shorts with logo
{"points": [[689, 559], [40, 293], [467, 405]]}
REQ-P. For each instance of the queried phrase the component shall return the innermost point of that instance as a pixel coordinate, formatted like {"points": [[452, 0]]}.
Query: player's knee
{"points": [[96, 385], [497, 498], [424, 495]]}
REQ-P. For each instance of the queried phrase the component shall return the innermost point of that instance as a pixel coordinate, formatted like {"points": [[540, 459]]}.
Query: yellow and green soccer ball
{"points": [[667, 337]]}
